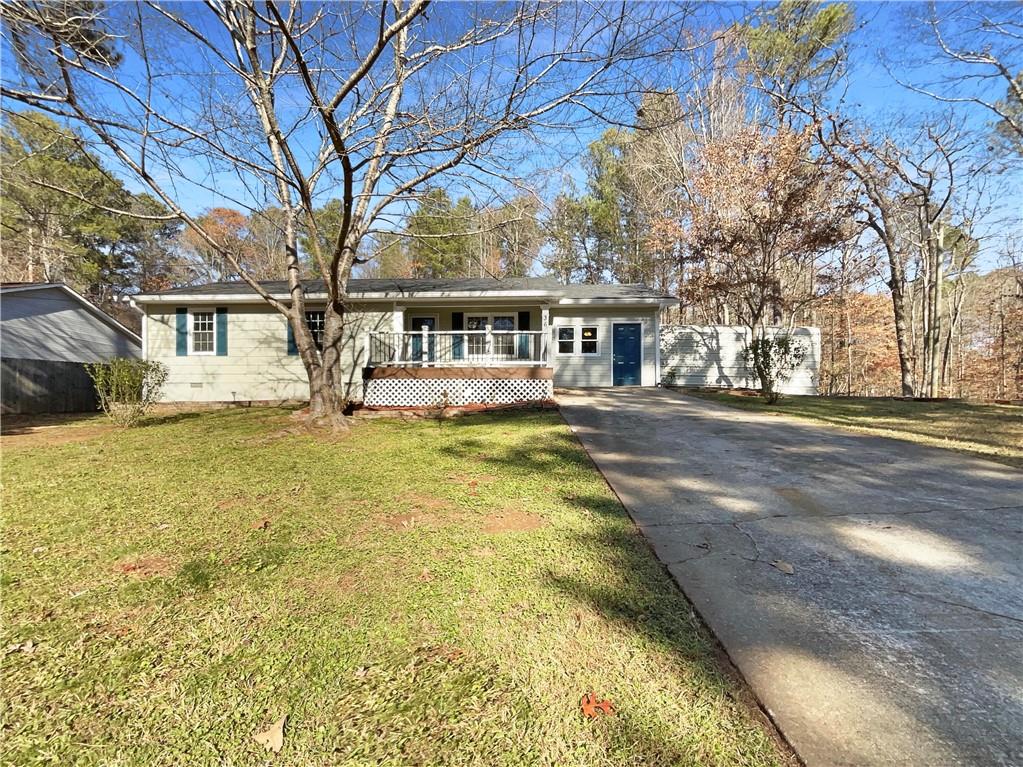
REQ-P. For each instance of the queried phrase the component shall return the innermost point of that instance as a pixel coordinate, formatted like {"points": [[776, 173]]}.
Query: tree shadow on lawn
{"points": [[16, 424], [637, 594]]}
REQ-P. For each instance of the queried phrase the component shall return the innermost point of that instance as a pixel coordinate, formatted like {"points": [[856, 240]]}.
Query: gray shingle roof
{"points": [[409, 287]]}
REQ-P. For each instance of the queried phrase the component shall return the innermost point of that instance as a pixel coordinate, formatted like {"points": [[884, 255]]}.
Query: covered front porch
{"points": [[464, 336], [438, 356]]}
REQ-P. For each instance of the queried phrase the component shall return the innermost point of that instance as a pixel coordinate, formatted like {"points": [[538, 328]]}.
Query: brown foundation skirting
{"points": [[447, 373]]}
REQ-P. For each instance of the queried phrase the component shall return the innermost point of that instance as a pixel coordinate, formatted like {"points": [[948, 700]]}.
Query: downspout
{"points": [[657, 347]]}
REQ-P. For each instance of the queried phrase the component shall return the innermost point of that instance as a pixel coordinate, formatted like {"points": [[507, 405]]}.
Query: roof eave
{"points": [[89, 306], [248, 298]]}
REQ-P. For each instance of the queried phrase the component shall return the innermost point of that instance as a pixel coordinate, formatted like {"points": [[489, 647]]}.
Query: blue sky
{"points": [[883, 41]]}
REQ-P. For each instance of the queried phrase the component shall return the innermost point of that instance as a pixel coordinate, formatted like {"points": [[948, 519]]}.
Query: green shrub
{"points": [[774, 360], [127, 388]]}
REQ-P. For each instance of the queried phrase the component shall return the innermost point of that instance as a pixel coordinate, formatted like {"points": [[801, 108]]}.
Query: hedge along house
{"points": [[410, 343]]}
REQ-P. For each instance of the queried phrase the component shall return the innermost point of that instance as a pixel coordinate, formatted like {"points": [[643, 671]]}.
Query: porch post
{"points": [[545, 328], [398, 330], [490, 343], [425, 355], [365, 349]]}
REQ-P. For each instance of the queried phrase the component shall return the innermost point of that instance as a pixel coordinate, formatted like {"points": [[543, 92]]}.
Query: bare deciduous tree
{"points": [[909, 194], [762, 205], [975, 57], [290, 103]]}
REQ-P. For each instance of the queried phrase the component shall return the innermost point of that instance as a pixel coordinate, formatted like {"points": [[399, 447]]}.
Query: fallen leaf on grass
{"points": [[28, 647], [263, 524], [591, 706], [273, 738], [426, 576], [784, 566]]}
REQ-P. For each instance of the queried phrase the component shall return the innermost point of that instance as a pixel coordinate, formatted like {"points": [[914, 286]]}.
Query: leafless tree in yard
{"points": [[974, 57], [913, 190], [289, 104]]}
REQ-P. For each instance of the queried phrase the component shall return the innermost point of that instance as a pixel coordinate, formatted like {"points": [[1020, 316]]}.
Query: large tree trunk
{"points": [[897, 284], [323, 368]]}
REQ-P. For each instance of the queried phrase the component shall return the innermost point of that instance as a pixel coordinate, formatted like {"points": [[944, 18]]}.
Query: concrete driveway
{"points": [[898, 637]]}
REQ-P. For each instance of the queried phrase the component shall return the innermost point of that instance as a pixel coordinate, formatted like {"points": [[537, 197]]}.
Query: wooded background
{"points": [[743, 179]]}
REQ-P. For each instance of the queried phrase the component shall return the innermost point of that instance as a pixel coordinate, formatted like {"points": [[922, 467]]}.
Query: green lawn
{"points": [[994, 432], [413, 593]]}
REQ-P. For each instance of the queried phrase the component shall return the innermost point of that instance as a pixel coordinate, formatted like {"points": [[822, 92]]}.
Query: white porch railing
{"points": [[458, 348]]}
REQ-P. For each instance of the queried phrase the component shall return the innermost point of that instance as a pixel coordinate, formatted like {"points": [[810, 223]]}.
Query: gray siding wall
{"points": [[595, 370], [712, 355], [257, 366], [48, 324]]}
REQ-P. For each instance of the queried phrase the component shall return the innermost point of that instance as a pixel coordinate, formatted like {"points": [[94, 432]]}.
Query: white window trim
{"points": [[595, 340], [315, 311], [490, 320], [577, 340], [191, 329], [490, 324], [558, 342]]}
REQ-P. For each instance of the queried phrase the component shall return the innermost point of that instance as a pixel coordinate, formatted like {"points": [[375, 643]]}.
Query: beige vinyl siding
{"points": [[257, 366], [443, 314], [595, 370]]}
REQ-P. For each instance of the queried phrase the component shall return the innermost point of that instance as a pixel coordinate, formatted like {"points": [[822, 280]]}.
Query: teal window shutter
{"points": [[524, 340], [292, 346], [221, 331], [457, 323], [182, 331]]}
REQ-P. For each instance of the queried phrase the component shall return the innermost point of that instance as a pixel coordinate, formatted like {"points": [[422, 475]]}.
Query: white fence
{"points": [[712, 355]]}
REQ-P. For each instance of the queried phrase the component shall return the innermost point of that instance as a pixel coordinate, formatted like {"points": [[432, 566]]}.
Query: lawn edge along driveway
{"points": [[869, 590]]}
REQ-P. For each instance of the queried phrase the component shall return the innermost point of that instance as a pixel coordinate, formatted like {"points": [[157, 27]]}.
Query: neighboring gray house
{"points": [[410, 342], [47, 331]]}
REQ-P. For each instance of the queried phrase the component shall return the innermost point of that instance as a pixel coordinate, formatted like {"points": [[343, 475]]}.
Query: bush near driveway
{"points": [[413, 593]]}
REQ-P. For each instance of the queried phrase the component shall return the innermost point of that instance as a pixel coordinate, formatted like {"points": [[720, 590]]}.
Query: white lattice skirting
{"points": [[432, 392]]}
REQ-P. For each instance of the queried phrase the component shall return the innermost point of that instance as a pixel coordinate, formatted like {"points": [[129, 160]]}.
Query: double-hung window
{"points": [[204, 337], [504, 342], [503, 337], [314, 321], [578, 340], [566, 339]]}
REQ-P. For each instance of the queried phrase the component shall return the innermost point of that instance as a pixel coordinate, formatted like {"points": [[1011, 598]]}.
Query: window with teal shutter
{"points": [[292, 346], [457, 345], [181, 327], [221, 331]]}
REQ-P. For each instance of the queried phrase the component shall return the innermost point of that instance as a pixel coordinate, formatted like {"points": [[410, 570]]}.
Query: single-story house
{"points": [[410, 342], [47, 332]]}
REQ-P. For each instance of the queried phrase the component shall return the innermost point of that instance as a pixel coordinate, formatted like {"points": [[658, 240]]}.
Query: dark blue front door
{"points": [[626, 354], [417, 340]]}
